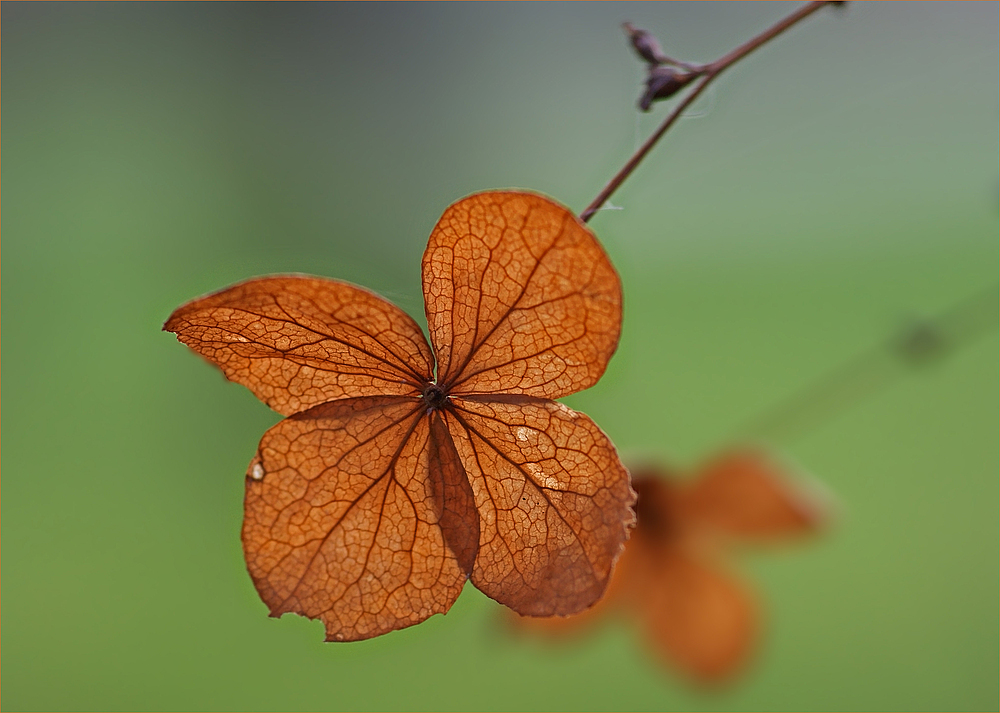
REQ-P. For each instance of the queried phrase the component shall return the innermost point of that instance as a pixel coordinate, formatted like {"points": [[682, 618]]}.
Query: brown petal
{"points": [[656, 506], [298, 341], [554, 501], [453, 495], [699, 619], [615, 600], [747, 494], [520, 296], [342, 523]]}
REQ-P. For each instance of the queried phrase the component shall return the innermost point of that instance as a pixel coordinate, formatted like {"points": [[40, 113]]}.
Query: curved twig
{"points": [[710, 72]]}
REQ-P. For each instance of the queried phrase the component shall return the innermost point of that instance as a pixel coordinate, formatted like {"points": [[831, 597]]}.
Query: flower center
{"points": [[434, 396]]}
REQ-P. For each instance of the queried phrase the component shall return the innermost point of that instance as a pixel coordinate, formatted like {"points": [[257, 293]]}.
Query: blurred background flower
{"points": [[676, 580]]}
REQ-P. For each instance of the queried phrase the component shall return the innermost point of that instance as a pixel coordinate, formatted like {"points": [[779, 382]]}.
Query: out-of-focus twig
{"points": [[921, 343]]}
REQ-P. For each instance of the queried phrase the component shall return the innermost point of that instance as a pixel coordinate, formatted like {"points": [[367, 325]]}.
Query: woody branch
{"points": [[704, 75]]}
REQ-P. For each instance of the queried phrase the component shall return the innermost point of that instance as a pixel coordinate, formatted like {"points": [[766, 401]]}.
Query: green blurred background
{"points": [[837, 183]]}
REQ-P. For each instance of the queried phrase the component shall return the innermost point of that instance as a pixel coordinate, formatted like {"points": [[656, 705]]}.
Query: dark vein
{"points": [[402, 361], [401, 366], [534, 401], [524, 288], [541, 491], [527, 357], [391, 376], [354, 504]]}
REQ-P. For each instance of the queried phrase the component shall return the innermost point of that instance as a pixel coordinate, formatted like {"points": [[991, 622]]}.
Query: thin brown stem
{"points": [[922, 343], [711, 71]]}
